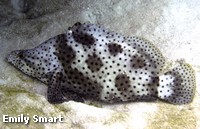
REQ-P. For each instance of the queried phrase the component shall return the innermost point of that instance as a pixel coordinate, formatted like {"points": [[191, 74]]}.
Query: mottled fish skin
{"points": [[89, 61]]}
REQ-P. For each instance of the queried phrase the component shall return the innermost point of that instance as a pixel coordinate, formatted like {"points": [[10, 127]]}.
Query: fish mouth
{"points": [[12, 56], [8, 57]]}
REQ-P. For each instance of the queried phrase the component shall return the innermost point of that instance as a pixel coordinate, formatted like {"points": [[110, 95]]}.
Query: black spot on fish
{"points": [[94, 63], [137, 62], [114, 48], [122, 82], [83, 38], [64, 52]]}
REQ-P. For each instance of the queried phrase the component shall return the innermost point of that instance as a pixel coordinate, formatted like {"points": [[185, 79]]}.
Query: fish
{"points": [[89, 61]]}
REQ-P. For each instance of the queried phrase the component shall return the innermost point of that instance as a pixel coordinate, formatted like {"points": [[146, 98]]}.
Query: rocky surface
{"points": [[173, 27]]}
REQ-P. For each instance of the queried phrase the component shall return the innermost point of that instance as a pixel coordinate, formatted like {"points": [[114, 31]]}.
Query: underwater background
{"points": [[173, 26]]}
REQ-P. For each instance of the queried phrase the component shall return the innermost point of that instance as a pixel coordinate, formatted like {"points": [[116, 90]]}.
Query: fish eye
{"points": [[21, 55]]}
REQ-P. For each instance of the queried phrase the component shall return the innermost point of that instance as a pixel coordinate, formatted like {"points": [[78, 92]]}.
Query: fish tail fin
{"points": [[178, 85]]}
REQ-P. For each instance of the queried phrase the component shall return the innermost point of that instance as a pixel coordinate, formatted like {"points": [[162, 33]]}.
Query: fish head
{"points": [[22, 61], [26, 62], [39, 62]]}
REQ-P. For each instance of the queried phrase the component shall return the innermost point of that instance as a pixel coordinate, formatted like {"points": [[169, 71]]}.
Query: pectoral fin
{"points": [[57, 94], [54, 93]]}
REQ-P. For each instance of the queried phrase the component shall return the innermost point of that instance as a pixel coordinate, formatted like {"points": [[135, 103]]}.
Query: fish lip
{"points": [[12, 53], [8, 57]]}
